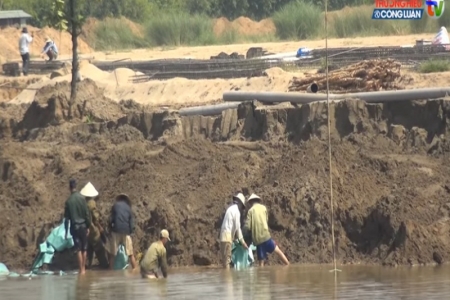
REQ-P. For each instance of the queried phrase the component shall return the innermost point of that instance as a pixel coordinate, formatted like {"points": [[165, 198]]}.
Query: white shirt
{"points": [[24, 41], [231, 225]]}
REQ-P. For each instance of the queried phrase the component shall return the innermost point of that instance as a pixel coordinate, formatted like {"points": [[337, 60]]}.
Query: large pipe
{"points": [[302, 98], [208, 110], [313, 88]]}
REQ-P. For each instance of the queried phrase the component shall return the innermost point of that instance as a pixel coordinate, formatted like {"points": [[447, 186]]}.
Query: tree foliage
{"points": [[142, 10], [56, 17]]}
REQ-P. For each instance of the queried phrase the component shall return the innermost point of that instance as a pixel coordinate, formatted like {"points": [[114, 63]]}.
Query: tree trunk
{"points": [[60, 41], [74, 33]]}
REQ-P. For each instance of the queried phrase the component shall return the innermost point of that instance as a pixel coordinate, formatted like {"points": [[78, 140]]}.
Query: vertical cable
{"points": [[329, 138]]}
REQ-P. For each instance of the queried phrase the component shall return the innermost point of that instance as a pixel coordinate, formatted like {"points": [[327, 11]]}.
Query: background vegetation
{"points": [[191, 22]]}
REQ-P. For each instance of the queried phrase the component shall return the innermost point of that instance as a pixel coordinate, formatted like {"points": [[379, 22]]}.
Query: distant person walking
{"points": [[122, 226], [156, 257], [257, 224], [50, 49], [77, 213], [24, 42]]}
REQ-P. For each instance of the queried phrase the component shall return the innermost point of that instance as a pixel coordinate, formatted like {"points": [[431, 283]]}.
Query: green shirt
{"points": [[154, 258], [257, 223], [76, 211]]}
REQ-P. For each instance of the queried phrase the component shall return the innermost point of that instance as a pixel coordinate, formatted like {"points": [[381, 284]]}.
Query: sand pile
{"points": [[177, 92], [122, 76], [87, 70], [244, 26], [9, 40], [390, 172]]}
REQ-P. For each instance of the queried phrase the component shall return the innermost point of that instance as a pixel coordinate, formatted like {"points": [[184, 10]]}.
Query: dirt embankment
{"points": [[390, 171]]}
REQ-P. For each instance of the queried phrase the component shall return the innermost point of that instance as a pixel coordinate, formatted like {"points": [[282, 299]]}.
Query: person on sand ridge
{"points": [[257, 224], [77, 213], [231, 229], [50, 49], [24, 42], [156, 257]]}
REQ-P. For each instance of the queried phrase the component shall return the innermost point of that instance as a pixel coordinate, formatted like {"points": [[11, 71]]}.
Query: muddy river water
{"points": [[293, 282]]}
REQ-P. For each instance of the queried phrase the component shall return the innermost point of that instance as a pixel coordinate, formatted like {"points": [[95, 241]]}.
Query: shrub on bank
{"points": [[351, 22], [298, 20], [444, 20], [435, 66], [115, 34], [175, 29]]}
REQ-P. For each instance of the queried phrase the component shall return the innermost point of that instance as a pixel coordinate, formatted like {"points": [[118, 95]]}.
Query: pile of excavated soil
{"points": [[9, 39], [244, 26], [390, 173]]}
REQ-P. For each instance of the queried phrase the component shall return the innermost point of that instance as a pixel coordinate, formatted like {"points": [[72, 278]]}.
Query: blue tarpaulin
{"points": [[56, 242], [3, 270]]}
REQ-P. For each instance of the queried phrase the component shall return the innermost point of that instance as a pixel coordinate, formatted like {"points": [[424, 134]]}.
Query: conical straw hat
{"points": [[89, 191]]}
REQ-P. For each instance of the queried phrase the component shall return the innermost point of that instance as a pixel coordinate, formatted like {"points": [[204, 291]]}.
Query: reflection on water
{"points": [[293, 282]]}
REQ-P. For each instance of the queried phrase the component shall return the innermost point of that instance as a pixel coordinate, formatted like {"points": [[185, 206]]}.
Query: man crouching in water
{"points": [[156, 257]]}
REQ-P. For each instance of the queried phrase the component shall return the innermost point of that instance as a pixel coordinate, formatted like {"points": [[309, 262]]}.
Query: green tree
{"points": [[56, 17], [75, 21], [67, 14]]}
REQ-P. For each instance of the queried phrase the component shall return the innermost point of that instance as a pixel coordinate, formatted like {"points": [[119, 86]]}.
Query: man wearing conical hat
{"points": [[231, 229], [95, 244], [257, 223]]}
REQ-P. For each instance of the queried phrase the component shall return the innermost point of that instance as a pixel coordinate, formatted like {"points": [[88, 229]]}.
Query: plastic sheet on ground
{"points": [[441, 37], [240, 257]]}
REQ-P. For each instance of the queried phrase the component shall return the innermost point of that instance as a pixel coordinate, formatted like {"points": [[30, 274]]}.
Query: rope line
{"points": [[329, 140]]}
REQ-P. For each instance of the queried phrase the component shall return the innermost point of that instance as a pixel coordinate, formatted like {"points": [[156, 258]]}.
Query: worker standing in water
{"points": [[95, 244], [24, 43], [122, 226], [156, 257], [231, 229], [77, 213], [257, 224], [50, 49]]}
